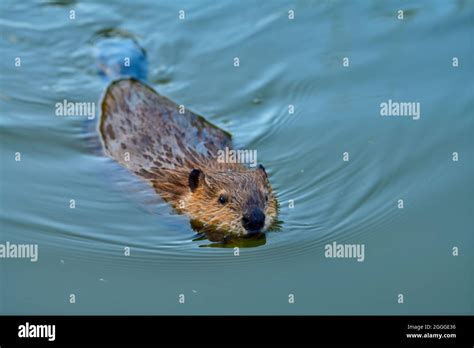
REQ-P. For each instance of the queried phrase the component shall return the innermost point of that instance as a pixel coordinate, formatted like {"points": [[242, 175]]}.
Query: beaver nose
{"points": [[254, 220]]}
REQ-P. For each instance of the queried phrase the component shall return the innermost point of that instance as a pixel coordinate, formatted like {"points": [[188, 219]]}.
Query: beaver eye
{"points": [[266, 198], [222, 199]]}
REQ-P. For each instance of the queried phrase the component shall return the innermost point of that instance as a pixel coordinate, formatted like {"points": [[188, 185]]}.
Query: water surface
{"points": [[336, 110]]}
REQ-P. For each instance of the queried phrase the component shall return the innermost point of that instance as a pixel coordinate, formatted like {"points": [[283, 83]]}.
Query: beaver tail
{"points": [[119, 56]]}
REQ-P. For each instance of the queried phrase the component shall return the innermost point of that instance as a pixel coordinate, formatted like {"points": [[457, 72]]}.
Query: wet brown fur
{"points": [[145, 133]]}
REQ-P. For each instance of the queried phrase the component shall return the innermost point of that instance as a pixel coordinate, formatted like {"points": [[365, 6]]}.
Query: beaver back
{"points": [[146, 133]]}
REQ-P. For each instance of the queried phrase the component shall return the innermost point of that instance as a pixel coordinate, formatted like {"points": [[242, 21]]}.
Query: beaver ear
{"points": [[194, 176], [261, 169]]}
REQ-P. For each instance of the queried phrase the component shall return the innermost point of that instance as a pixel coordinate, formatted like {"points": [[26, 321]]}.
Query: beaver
{"points": [[176, 151]]}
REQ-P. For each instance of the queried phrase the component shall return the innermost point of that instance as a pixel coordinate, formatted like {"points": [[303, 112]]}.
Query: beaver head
{"points": [[235, 200]]}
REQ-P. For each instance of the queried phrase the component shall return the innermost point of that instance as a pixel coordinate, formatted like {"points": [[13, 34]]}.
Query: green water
{"points": [[283, 62]]}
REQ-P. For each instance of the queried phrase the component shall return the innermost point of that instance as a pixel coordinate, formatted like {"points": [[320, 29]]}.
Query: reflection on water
{"points": [[217, 242], [282, 63]]}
